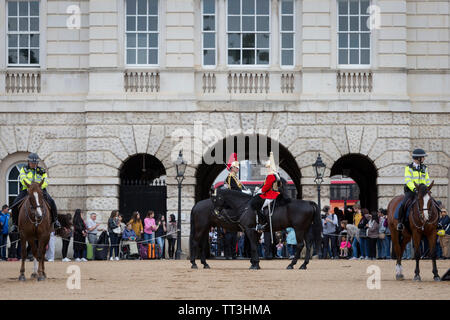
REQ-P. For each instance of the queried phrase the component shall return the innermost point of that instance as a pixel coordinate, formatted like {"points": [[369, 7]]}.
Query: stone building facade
{"points": [[85, 111]]}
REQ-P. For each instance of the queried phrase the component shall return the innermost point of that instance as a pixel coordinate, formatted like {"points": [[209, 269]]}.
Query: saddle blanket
{"points": [[398, 208]]}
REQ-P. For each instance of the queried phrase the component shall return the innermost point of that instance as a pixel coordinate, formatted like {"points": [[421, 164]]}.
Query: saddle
{"points": [[408, 206]]}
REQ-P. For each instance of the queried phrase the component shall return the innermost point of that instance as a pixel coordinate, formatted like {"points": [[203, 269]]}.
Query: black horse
{"points": [[299, 214]]}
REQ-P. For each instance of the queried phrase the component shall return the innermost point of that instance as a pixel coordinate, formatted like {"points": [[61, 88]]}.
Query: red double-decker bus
{"points": [[342, 190]]}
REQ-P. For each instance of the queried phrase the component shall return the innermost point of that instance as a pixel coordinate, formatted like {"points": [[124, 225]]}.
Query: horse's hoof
{"points": [[253, 267], [22, 277], [206, 266], [417, 278], [289, 267], [399, 277], [302, 267], [34, 275], [437, 278], [194, 266], [41, 278]]}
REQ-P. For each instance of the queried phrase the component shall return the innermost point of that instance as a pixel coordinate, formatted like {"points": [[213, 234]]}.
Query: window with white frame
{"points": [[13, 183], [287, 32], [142, 32], [248, 32], [23, 33], [209, 32], [353, 32]]}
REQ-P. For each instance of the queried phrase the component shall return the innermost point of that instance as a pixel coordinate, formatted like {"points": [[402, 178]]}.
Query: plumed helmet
{"points": [[232, 161], [417, 153], [33, 158], [271, 163]]}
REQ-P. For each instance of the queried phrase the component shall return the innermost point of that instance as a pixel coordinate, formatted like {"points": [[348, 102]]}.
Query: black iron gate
{"points": [[142, 195]]}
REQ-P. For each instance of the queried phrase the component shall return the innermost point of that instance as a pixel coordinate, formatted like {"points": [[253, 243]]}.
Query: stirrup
{"points": [[260, 227], [56, 225], [400, 226]]}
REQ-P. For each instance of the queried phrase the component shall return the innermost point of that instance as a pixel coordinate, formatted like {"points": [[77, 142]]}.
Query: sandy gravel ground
{"points": [[168, 280]]}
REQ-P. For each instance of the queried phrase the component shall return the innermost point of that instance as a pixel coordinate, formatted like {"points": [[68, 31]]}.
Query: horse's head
{"points": [[424, 198], [36, 197]]}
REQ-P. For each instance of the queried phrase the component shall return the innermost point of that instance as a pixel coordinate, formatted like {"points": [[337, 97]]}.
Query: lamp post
{"points": [[180, 164], [319, 168]]}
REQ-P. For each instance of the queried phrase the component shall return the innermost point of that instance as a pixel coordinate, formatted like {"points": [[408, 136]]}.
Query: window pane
{"points": [[152, 56], [34, 24], [354, 23], [12, 24], [287, 57], [262, 40], [343, 6], [142, 23], [354, 40], [343, 56], [364, 23], [248, 40], [343, 40], [263, 57], [12, 41], [23, 24], [343, 23], [209, 57], [354, 6], [131, 40], [142, 56], [131, 6], [209, 40], [12, 8], [364, 6], [13, 174], [262, 23], [152, 23], [34, 8], [12, 56], [248, 56], [248, 23], [153, 40], [23, 8], [234, 24], [354, 56], [365, 40], [131, 56], [287, 23], [23, 56], [234, 7], [153, 7], [209, 23], [131, 23], [365, 56], [142, 6], [23, 40], [234, 40], [248, 7], [287, 40], [34, 56], [262, 6], [142, 40], [234, 56], [13, 187], [209, 6], [287, 7]]}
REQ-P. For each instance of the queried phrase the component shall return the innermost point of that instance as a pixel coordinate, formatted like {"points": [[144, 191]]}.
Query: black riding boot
{"points": [[262, 221]]}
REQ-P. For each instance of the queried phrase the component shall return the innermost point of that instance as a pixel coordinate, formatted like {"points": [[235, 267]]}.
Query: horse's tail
{"points": [[191, 235], [316, 223]]}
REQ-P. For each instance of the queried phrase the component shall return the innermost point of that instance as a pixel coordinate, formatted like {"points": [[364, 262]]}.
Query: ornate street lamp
{"points": [[319, 168], [180, 164]]}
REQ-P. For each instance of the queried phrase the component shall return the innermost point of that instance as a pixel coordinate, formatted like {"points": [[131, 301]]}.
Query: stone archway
{"points": [[363, 171], [207, 173]]}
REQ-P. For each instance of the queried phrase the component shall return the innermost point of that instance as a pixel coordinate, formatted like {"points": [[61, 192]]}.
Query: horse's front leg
{"points": [[23, 244], [253, 237], [41, 256], [417, 237], [432, 238], [34, 251]]}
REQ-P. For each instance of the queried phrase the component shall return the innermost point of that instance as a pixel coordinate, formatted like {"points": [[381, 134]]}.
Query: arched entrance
{"points": [[257, 149], [362, 170], [142, 186]]}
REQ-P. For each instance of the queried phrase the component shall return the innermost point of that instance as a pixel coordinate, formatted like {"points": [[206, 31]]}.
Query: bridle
{"points": [[421, 214], [37, 221]]}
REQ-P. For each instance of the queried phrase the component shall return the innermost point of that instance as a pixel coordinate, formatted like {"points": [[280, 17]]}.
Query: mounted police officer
{"points": [[415, 172], [269, 191], [33, 173]]}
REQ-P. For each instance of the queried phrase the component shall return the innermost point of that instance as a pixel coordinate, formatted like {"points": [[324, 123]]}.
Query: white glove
{"points": [[247, 191]]}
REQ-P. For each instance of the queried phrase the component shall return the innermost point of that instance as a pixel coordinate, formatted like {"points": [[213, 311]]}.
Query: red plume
{"points": [[231, 159]]}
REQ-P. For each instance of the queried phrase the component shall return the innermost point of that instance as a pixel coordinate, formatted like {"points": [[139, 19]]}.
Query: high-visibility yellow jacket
{"points": [[29, 175], [416, 175]]}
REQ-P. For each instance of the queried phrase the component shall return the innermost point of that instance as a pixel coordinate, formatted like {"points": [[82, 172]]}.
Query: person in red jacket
{"points": [[268, 191]]}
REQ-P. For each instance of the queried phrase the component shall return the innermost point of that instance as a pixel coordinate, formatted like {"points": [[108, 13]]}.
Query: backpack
{"points": [[143, 251], [102, 247]]}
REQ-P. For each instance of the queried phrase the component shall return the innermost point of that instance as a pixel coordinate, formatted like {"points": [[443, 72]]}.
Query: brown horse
{"points": [[423, 221], [34, 226]]}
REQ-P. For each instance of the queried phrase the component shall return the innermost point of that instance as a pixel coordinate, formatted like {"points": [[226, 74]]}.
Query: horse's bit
{"points": [[36, 222], [421, 215]]}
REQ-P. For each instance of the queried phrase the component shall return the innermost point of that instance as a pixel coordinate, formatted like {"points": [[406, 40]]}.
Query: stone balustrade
{"points": [[354, 81], [22, 82]]}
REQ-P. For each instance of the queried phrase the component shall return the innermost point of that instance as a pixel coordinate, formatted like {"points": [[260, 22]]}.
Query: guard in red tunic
{"points": [[269, 191]]}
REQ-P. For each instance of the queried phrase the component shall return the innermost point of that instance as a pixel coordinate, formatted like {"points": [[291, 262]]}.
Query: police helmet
{"points": [[33, 158], [418, 153]]}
